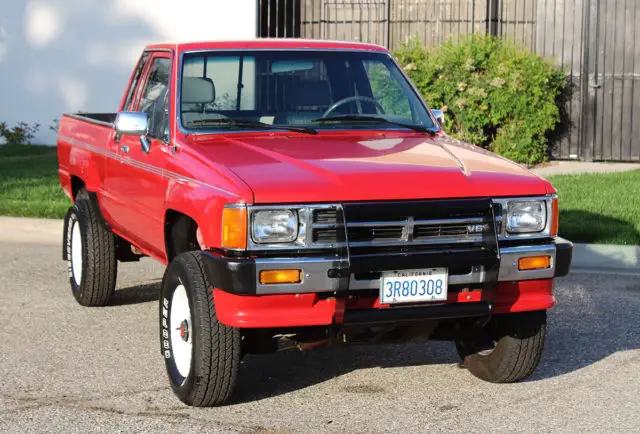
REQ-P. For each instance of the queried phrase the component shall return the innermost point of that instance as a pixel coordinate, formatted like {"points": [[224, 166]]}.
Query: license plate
{"points": [[411, 286]]}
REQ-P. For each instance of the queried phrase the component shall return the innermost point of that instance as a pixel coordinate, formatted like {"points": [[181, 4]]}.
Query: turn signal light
{"points": [[234, 228], [534, 263], [269, 277]]}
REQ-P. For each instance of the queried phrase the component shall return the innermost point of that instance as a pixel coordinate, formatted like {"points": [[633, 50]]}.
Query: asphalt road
{"points": [[64, 367]]}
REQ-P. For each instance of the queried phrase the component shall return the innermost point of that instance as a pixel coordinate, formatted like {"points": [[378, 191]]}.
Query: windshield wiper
{"points": [[248, 123], [357, 118]]}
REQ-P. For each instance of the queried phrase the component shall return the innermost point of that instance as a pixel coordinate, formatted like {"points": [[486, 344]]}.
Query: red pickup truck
{"points": [[301, 194]]}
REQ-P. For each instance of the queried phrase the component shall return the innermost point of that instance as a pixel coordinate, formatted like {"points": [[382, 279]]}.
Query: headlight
{"points": [[274, 226], [526, 216]]}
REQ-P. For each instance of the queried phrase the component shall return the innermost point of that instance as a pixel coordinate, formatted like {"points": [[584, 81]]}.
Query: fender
{"points": [[204, 205]]}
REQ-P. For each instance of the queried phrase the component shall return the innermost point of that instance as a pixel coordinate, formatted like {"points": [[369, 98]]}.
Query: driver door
{"points": [[140, 183]]}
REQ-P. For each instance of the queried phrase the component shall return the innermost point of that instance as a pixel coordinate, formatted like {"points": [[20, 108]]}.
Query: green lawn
{"points": [[600, 208], [29, 184]]}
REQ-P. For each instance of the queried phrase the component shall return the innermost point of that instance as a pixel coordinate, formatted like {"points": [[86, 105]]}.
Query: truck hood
{"points": [[334, 167]]}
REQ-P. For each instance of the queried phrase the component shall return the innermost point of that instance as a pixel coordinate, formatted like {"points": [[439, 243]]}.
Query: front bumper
{"points": [[325, 274], [328, 297]]}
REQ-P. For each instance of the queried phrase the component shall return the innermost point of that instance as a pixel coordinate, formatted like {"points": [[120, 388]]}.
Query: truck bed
{"points": [[84, 144], [95, 118]]}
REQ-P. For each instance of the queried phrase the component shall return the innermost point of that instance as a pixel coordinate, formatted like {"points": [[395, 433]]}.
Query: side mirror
{"points": [[439, 115], [132, 123]]}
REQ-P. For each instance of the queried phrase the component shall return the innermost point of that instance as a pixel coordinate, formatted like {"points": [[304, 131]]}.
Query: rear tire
{"points": [[202, 355], [506, 350], [91, 254]]}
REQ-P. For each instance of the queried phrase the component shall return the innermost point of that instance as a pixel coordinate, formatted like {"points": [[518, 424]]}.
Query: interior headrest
{"points": [[197, 90]]}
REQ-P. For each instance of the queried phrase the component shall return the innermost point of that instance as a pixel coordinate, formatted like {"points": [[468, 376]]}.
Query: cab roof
{"points": [[265, 43]]}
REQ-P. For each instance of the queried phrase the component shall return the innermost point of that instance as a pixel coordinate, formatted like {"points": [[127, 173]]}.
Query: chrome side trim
{"points": [[509, 263]]}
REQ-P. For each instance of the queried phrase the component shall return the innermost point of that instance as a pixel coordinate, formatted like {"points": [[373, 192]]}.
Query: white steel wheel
{"points": [[76, 252], [90, 252], [202, 355], [181, 330]]}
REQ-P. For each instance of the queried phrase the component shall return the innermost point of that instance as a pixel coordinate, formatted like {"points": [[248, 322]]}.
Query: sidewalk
{"points": [[575, 167], [30, 231]]}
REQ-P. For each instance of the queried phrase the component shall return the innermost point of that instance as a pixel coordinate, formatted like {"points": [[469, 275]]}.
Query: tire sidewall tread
{"points": [[517, 352], [216, 348], [99, 263]]}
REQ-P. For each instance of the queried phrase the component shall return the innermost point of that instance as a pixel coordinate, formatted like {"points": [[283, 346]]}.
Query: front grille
{"points": [[372, 233], [441, 230], [411, 231], [407, 224], [324, 215], [325, 229], [324, 235]]}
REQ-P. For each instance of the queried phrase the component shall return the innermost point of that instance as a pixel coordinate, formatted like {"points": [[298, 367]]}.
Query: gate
{"points": [[596, 41], [611, 91]]}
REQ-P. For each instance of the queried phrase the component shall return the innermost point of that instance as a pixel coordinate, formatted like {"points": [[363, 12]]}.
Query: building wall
{"points": [[68, 55]]}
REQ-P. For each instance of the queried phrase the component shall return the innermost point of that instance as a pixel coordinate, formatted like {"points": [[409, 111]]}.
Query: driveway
{"points": [[65, 367]]}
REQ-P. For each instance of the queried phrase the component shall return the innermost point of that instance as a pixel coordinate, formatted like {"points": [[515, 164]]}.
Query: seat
{"points": [[196, 93], [309, 99]]}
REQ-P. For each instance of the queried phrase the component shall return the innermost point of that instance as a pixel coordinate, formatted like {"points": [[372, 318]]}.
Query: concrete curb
{"points": [[31, 231], [586, 257], [609, 257]]}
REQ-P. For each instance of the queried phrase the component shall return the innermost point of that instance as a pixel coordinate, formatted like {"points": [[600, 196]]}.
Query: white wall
{"points": [[67, 55]]}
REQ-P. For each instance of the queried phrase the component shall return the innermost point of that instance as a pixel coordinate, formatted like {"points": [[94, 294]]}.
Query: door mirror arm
{"points": [[145, 144]]}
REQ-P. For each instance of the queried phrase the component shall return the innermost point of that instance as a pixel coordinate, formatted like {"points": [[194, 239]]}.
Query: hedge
{"points": [[494, 93]]}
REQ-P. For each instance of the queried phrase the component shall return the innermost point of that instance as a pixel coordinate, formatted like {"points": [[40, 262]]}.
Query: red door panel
{"points": [[136, 181]]}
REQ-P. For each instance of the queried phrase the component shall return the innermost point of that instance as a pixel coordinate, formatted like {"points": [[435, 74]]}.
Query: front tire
{"points": [[90, 253], [506, 350], [202, 355]]}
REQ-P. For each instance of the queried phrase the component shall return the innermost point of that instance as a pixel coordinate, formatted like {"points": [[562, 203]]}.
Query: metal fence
{"points": [[596, 41]]}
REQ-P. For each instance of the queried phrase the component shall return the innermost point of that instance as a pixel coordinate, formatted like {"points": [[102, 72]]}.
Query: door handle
{"points": [[124, 148]]}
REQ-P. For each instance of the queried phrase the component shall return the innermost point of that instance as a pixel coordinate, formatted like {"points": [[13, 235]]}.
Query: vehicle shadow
{"points": [[136, 294], [276, 374], [594, 319]]}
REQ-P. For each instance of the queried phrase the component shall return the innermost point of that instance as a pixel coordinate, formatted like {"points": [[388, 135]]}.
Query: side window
{"points": [[134, 82], [155, 97], [387, 90]]}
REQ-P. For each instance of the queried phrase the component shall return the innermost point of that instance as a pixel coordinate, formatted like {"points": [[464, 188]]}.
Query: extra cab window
{"points": [[154, 99], [134, 82]]}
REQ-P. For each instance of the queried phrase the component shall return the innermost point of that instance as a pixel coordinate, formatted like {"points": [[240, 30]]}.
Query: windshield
{"points": [[310, 89]]}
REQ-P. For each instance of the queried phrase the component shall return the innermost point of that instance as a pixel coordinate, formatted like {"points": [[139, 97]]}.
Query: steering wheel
{"points": [[348, 99]]}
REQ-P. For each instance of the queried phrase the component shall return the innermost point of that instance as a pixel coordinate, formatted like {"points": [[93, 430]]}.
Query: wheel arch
{"points": [[77, 184], [180, 233]]}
